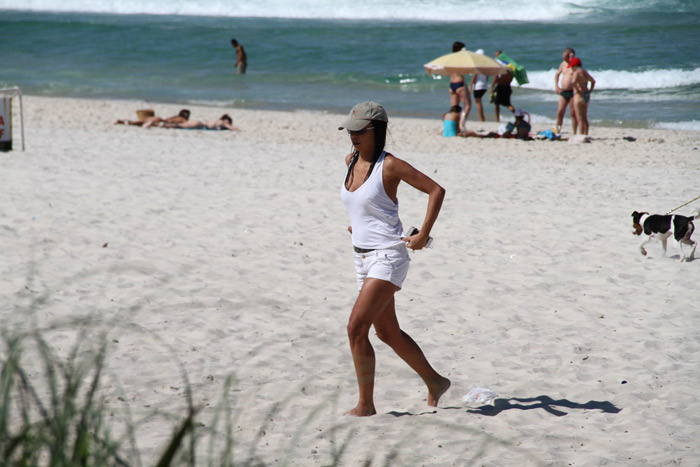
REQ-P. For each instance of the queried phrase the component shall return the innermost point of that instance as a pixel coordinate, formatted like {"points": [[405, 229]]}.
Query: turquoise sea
{"points": [[326, 56]]}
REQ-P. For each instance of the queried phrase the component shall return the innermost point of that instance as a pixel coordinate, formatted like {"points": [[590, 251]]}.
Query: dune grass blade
{"points": [[175, 444]]}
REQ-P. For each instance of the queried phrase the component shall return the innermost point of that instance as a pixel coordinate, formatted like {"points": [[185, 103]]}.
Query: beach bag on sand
{"points": [[479, 396], [549, 134], [145, 114]]}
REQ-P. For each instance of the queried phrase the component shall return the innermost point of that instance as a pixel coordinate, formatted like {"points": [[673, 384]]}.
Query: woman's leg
{"points": [[466, 97], [454, 98], [579, 106], [584, 118], [389, 331], [480, 109], [574, 118], [374, 298]]}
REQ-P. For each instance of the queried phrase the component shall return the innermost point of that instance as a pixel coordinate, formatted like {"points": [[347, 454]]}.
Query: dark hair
{"points": [[457, 46], [380, 128], [455, 108], [184, 113], [234, 42], [226, 117], [569, 50]]}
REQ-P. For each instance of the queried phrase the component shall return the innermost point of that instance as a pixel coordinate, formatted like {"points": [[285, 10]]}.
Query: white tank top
{"points": [[480, 83], [374, 216]]}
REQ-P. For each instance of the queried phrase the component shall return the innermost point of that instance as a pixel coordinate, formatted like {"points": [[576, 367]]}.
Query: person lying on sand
{"points": [[223, 123], [181, 117]]}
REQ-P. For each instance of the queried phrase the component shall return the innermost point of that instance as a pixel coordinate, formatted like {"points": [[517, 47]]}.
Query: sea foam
{"points": [[628, 80], [421, 10]]}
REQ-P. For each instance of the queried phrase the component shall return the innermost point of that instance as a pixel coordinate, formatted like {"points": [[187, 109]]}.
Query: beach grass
{"points": [[61, 425], [53, 410]]}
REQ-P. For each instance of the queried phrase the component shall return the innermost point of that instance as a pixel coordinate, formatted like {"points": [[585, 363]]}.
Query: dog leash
{"points": [[669, 212]]}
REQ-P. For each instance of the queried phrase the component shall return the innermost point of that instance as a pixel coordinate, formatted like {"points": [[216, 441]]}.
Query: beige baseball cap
{"points": [[362, 114]]}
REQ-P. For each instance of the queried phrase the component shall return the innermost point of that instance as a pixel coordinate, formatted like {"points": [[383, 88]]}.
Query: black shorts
{"points": [[503, 95], [479, 93]]}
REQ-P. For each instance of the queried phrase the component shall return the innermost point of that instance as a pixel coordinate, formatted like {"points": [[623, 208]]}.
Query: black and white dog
{"points": [[663, 226]]}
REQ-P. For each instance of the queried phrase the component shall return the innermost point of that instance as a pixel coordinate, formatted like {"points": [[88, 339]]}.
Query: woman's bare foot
{"points": [[435, 393], [361, 411]]}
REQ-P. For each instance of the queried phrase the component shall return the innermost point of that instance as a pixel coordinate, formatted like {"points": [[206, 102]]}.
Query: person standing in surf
{"points": [[479, 85], [566, 90], [241, 57], [501, 91], [369, 193], [582, 93], [458, 89]]}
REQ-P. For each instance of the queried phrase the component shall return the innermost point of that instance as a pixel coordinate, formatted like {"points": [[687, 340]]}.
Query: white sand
{"points": [[220, 253]]}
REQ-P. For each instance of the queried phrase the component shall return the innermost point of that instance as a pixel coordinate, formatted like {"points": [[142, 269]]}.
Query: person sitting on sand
{"points": [[450, 121], [521, 126], [181, 117], [223, 123], [450, 124]]}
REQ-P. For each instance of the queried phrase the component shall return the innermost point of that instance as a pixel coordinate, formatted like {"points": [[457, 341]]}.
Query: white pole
{"points": [[21, 114]]}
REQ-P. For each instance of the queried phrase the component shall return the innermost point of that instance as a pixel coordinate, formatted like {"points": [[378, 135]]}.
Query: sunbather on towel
{"points": [[150, 121], [223, 123]]}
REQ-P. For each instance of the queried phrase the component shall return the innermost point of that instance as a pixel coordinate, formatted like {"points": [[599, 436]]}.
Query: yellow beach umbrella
{"points": [[465, 62]]}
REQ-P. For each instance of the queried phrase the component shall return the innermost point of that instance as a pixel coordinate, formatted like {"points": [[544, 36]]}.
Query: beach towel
{"points": [[518, 70]]}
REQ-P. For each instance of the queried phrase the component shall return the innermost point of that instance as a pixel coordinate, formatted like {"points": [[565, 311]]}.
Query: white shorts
{"points": [[388, 264]]}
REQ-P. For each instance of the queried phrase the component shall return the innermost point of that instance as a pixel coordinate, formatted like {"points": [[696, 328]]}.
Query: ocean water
{"points": [[326, 56]]}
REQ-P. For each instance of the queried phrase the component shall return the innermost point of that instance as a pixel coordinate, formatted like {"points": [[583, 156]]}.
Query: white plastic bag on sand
{"points": [[479, 396]]}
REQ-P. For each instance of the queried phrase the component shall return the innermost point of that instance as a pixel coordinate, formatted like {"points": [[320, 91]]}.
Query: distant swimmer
{"points": [[565, 90], [241, 58], [582, 93]]}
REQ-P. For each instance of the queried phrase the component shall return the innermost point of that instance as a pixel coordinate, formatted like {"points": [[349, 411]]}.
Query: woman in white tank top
{"points": [[381, 259]]}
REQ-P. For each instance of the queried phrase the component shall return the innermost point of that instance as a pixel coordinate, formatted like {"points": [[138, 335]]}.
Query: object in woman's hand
{"points": [[413, 231]]}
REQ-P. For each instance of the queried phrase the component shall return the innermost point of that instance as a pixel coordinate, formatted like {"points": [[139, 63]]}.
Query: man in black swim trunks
{"points": [[566, 90], [501, 86]]}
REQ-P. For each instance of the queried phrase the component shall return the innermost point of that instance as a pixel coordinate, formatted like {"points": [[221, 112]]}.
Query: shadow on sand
{"points": [[545, 403]]}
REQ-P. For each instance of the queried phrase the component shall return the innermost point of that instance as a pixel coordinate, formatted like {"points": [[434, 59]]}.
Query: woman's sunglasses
{"points": [[360, 132]]}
